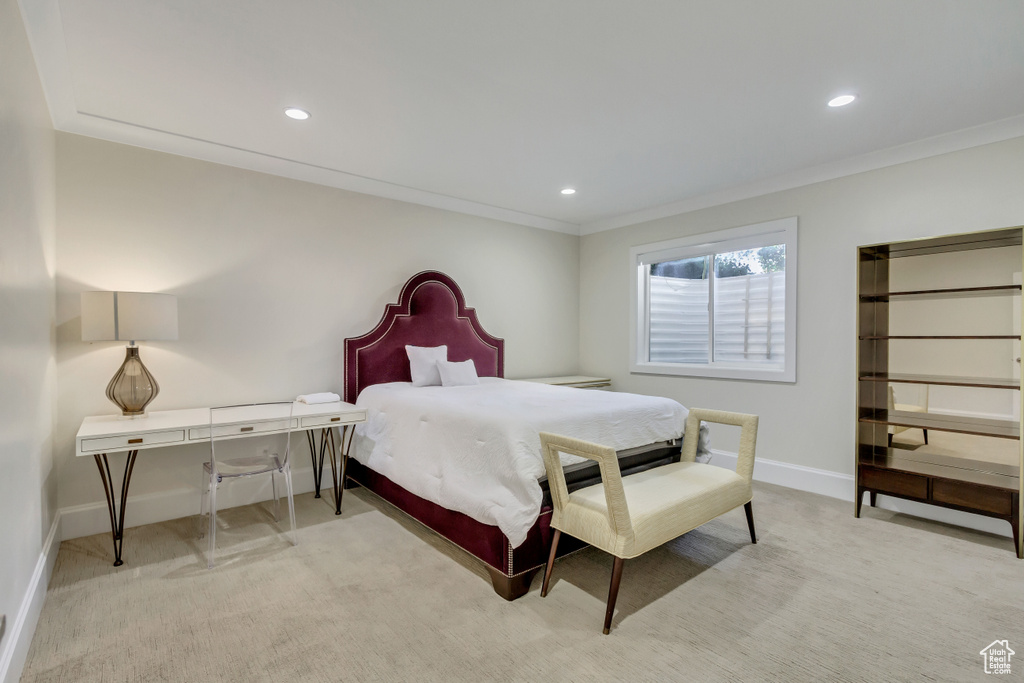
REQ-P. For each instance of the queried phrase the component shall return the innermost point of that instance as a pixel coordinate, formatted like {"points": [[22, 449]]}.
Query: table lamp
{"points": [[130, 316]]}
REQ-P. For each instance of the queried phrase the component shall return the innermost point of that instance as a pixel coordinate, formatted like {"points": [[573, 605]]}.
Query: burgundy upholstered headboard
{"points": [[431, 311]]}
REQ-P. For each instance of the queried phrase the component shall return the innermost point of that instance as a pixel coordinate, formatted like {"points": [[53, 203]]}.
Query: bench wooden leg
{"points": [[551, 563], [613, 593], [749, 509]]}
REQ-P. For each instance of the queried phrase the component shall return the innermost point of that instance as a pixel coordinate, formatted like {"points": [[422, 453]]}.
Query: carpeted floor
{"points": [[371, 596]]}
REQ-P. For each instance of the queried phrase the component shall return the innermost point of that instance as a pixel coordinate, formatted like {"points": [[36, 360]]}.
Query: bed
{"points": [[431, 311]]}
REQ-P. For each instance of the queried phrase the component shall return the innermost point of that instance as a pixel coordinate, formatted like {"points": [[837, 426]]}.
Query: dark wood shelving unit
{"points": [[927, 463], [926, 474], [950, 293], [946, 380], [940, 336], [1000, 429]]}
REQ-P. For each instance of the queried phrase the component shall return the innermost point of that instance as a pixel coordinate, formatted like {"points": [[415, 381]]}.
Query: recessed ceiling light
{"points": [[841, 101], [296, 113], [568, 190]]}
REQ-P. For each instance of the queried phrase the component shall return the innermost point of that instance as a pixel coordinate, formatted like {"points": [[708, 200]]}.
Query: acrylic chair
{"points": [[233, 422], [626, 517]]}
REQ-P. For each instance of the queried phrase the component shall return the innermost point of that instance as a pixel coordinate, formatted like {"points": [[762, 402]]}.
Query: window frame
{"points": [[781, 231]]}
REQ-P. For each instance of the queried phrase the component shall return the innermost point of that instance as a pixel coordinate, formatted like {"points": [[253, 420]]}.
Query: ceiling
{"points": [[489, 107]]}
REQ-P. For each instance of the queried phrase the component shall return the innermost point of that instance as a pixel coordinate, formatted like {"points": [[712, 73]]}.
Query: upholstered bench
{"points": [[626, 517]]}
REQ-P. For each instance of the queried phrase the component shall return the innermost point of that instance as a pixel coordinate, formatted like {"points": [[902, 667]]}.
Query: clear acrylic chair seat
{"points": [[271, 457]]}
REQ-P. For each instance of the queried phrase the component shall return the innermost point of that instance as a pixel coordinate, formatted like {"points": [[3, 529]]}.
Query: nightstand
{"points": [[578, 381]]}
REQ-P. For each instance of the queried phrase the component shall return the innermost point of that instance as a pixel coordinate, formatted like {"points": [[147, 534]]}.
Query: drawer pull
{"points": [[335, 419], [246, 429], [134, 440]]}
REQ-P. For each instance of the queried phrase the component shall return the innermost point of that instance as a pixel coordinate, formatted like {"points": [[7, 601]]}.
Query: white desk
{"points": [[103, 434]]}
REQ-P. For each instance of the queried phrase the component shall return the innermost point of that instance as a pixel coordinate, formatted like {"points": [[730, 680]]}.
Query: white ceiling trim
{"points": [[84, 123], [996, 131]]}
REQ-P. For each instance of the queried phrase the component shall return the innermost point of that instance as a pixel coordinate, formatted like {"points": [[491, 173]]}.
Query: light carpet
{"points": [[372, 596]]}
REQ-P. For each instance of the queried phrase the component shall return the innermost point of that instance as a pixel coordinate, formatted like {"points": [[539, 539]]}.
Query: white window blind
{"points": [[750, 319]]}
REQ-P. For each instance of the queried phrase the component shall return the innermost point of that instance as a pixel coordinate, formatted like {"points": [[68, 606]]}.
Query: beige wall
{"points": [[811, 422], [271, 274], [27, 367]]}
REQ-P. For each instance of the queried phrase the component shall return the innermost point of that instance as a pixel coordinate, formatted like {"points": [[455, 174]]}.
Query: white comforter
{"points": [[476, 449]]}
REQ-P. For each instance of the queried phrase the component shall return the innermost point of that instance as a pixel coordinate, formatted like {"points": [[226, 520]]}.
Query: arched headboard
{"points": [[431, 311]]}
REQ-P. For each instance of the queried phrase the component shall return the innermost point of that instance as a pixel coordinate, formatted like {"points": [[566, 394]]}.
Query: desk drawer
{"points": [[227, 431], [131, 442], [331, 420]]}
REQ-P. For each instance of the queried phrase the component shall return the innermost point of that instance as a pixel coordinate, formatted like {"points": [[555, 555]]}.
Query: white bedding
{"points": [[476, 449]]}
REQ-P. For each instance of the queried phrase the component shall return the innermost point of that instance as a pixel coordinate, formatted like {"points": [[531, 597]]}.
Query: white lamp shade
{"points": [[129, 316]]}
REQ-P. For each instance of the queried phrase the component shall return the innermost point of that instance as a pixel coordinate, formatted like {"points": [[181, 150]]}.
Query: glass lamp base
{"points": [[132, 387]]}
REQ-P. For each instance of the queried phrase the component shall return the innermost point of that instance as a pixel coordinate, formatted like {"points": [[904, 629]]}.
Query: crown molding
{"points": [[984, 134], [91, 125]]}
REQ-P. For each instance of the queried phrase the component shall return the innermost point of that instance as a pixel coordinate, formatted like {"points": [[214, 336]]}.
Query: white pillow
{"points": [[423, 364], [457, 374]]}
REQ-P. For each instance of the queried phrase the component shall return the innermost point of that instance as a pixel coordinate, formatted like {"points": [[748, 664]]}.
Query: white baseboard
{"points": [[19, 638], [832, 484], [149, 508], [841, 486]]}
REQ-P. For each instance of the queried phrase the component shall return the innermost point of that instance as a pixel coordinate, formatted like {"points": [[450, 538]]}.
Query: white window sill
{"points": [[715, 371]]}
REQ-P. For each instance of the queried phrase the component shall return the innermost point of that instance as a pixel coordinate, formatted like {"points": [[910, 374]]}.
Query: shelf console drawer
{"points": [[969, 496], [897, 483], [993, 501]]}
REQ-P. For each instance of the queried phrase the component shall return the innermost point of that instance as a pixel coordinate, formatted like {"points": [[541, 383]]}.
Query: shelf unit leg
{"points": [[1015, 525]]}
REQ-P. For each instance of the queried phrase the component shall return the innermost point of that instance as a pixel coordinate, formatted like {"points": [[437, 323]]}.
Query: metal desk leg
{"points": [[318, 468], [346, 444], [116, 515]]}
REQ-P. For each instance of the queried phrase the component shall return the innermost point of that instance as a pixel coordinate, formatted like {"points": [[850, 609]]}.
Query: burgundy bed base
{"points": [[432, 311]]}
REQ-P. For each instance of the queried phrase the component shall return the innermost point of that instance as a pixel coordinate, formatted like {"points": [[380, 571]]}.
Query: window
{"points": [[721, 304]]}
